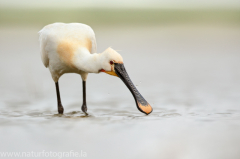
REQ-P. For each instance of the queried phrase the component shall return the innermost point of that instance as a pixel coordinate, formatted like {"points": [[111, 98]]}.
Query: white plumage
{"points": [[71, 48], [51, 34]]}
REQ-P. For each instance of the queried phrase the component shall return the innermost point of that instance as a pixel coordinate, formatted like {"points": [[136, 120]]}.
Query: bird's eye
{"points": [[111, 62]]}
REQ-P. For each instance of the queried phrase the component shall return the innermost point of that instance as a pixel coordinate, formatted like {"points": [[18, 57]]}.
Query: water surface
{"points": [[189, 74]]}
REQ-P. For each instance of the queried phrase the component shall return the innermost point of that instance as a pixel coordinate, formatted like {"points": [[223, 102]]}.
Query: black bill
{"points": [[141, 103]]}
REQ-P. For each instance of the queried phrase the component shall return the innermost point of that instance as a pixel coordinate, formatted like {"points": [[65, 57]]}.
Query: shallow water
{"points": [[189, 74]]}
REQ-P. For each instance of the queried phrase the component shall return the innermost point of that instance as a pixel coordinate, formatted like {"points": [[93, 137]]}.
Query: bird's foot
{"points": [[60, 109], [84, 109]]}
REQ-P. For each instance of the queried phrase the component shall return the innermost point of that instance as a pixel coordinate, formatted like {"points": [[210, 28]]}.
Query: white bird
{"points": [[71, 48]]}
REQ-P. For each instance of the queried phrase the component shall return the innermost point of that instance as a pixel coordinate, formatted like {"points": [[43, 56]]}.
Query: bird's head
{"points": [[108, 60], [112, 64]]}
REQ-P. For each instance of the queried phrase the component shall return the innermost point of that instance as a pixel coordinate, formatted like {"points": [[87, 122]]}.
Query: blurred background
{"points": [[183, 56]]}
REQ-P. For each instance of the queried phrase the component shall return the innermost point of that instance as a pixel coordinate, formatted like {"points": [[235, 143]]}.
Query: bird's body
{"points": [[71, 48], [65, 46]]}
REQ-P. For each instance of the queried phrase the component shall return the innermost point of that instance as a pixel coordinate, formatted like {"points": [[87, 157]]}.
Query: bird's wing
{"points": [[52, 33]]}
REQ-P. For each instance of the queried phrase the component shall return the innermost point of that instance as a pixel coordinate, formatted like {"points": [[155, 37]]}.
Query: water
{"points": [[189, 74]]}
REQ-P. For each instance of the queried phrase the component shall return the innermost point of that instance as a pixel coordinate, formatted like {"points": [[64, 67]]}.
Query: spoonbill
{"points": [[71, 48]]}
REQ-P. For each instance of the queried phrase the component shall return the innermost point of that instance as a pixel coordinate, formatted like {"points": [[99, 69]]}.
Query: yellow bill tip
{"points": [[147, 109]]}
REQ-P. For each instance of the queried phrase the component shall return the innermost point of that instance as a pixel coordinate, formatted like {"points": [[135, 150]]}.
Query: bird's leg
{"points": [[84, 106], [60, 107]]}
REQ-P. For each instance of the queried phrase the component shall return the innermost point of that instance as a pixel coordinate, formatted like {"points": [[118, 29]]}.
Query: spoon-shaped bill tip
{"points": [[147, 109]]}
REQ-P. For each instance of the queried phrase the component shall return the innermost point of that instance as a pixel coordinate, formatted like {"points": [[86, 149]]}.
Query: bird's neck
{"points": [[87, 62]]}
